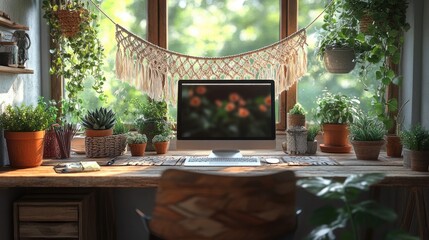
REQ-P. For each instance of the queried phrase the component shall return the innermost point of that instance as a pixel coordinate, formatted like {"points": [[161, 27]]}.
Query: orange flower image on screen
{"points": [[226, 111]]}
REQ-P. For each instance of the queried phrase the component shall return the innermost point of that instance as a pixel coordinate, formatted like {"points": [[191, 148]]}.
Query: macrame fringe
{"points": [[156, 71]]}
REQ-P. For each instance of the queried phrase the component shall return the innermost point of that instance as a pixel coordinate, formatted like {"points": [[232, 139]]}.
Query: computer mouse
{"points": [[272, 160]]}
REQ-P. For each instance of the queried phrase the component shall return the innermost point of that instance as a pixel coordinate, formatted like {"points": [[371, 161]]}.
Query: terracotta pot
{"points": [[137, 149], [393, 146], [312, 147], [339, 59], [25, 149], [367, 150], [161, 147], [419, 160], [98, 133], [295, 120], [335, 138]]}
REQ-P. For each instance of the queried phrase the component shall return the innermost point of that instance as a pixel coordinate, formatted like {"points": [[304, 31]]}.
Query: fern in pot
{"points": [[367, 136]]}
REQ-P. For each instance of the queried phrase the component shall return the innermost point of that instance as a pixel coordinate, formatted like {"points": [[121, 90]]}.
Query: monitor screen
{"points": [[225, 110]]}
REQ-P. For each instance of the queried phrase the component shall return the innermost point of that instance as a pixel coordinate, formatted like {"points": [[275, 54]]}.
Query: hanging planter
{"points": [[339, 59], [70, 20], [364, 22]]}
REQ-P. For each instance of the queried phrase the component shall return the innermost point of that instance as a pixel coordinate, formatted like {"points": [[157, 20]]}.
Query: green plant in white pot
{"points": [[416, 148], [367, 136], [24, 130], [335, 112]]}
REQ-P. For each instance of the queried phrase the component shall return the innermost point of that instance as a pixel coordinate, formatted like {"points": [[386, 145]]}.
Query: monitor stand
{"points": [[230, 153]]}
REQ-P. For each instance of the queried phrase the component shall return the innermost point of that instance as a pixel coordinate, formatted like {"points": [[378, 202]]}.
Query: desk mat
{"points": [[127, 160]]}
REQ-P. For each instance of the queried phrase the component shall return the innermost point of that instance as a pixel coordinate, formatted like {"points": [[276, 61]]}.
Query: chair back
{"points": [[193, 205]]}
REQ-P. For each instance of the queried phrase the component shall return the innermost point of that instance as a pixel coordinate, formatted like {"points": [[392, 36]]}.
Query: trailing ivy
{"points": [[78, 57]]}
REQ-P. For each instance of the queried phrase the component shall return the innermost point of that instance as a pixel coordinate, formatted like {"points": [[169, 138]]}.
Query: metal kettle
{"points": [[23, 41]]}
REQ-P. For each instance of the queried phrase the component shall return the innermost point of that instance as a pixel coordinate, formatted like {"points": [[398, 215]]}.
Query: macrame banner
{"points": [[156, 70]]}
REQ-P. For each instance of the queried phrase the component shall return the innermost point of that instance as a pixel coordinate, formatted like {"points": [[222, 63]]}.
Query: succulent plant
{"points": [[136, 138], [99, 119], [297, 110], [161, 138]]}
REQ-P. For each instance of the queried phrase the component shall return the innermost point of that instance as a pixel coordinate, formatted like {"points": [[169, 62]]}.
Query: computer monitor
{"points": [[225, 116]]}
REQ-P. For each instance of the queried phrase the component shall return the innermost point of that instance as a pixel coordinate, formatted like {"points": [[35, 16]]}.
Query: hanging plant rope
{"points": [[156, 70]]}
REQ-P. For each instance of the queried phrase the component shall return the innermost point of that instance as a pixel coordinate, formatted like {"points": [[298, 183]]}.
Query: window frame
{"points": [[157, 34]]}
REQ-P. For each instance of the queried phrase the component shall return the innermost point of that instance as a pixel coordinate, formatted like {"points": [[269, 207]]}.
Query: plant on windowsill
{"points": [[416, 148], [366, 136], [296, 116], [349, 216], [312, 132], [24, 130], [76, 56], [161, 143], [335, 112], [137, 143]]}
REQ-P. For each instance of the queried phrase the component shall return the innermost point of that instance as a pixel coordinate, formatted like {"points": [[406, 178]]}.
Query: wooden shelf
{"points": [[4, 69], [12, 25]]}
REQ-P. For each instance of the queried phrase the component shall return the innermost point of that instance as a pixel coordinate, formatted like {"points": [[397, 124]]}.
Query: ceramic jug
{"points": [[24, 43]]}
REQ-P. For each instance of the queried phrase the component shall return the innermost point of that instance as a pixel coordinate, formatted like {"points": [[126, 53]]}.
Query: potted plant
{"points": [[99, 122], [153, 120], [137, 143], [312, 132], [348, 215], [296, 116], [338, 41], [366, 135], [335, 112], [416, 148], [161, 143], [76, 54], [24, 130]]}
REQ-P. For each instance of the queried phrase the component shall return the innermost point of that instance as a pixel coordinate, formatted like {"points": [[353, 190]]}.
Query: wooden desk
{"points": [[147, 176]]}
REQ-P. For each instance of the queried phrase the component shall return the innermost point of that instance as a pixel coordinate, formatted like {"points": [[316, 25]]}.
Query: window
{"points": [[216, 27]]}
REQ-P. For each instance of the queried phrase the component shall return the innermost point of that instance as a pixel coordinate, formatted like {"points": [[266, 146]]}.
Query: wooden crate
{"points": [[52, 216]]}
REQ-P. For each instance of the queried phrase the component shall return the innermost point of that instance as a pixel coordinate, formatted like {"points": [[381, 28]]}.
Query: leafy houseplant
{"points": [[366, 135], [352, 215], [153, 119], [416, 148], [312, 132], [75, 57], [383, 38], [161, 143], [25, 127], [99, 123], [338, 42], [137, 143], [296, 116], [335, 112]]}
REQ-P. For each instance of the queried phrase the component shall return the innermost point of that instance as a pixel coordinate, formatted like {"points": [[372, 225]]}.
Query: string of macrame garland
{"points": [[156, 71]]}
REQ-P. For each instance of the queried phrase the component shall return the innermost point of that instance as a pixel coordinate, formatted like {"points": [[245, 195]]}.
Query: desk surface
{"points": [[147, 176]]}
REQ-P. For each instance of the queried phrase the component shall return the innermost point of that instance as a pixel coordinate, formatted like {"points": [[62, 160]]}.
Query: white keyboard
{"points": [[221, 161]]}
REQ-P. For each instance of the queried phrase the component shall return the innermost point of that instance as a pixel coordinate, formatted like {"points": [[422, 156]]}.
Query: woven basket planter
{"points": [[364, 23], [70, 20], [110, 146]]}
